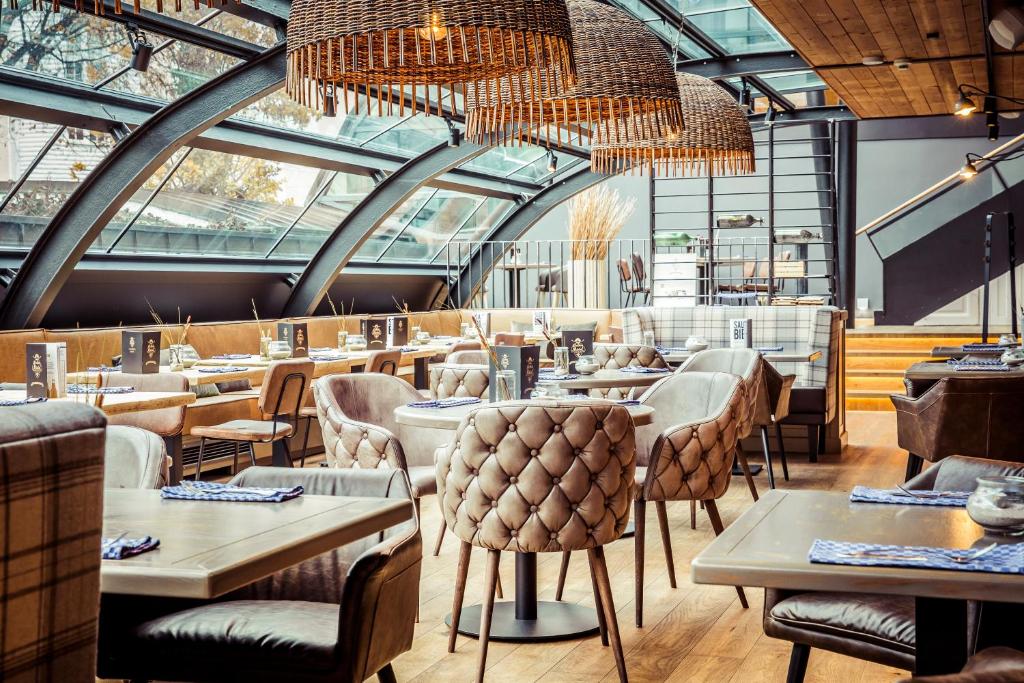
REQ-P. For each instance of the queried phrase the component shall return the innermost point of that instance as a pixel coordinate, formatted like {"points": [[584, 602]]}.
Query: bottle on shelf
{"points": [[738, 221]]}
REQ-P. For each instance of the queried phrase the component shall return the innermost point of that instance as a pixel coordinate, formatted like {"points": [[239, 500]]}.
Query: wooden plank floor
{"points": [[691, 633]]}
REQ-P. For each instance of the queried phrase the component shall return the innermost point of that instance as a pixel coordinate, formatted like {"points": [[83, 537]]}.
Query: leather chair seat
{"points": [[424, 480], [212, 410], [308, 411], [245, 430], [807, 400], [281, 634], [875, 627]]}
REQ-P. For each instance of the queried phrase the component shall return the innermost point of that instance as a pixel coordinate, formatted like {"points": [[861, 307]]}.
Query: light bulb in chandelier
{"points": [[434, 27]]}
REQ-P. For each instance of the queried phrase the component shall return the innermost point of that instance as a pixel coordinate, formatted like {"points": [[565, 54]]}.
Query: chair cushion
{"points": [[424, 480], [807, 400], [885, 621], [245, 430], [280, 633]]}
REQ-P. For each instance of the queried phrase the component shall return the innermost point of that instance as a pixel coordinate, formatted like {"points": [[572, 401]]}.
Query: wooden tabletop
{"points": [[936, 370], [449, 418], [119, 404], [608, 379], [209, 548], [195, 377], [768, 545], [794, 355]]}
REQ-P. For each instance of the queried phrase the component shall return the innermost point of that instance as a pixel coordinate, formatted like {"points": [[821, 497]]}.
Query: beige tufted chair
{"points": [[615, 356], [534, 477], [467, 358], [459, 347], [451, 380], [134, 459]]}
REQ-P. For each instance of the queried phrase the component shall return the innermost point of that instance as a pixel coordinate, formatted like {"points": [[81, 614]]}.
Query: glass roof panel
{"points": [[382, 238], [432, 226], [669, 33], [484, 219], [341, 193], [734, 24]]}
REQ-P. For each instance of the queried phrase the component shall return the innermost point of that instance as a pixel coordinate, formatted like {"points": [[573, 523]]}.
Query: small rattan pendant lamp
{"points": [[717, 139], [624, 77], [338, 44]]}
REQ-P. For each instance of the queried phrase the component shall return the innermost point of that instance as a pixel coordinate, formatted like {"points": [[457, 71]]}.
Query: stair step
{"points": [[873, 404], [920, 343], [900, 363], [886, 384], [874, 372], [882, 353]]}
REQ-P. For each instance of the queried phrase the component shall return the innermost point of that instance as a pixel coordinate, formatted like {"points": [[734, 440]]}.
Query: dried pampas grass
{"points": [[596, 216]]}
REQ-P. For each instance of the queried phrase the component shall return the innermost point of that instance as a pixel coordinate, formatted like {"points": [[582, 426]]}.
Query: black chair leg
{"points": [[812, 443], [914, 464], [387, 675], [305, 441], [234, 462], [782, 451], [199, 462], [798, 663], [767, 457], [252, 454]]}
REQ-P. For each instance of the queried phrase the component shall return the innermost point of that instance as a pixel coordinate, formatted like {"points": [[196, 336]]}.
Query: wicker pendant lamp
{"points": [[624, 77], [425, 44], [717, 139]]}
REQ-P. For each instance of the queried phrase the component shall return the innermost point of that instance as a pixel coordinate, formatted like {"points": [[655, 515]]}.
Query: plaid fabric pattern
{"points": [[51, 515], [953, 499], [445, 402], [206, 490], [1006, 559]]}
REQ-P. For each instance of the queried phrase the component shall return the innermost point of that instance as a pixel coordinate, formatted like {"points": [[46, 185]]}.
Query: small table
{"points": [[921, 376], [958, 352], [119, 404], [515, 269], [795, 355], [526, 619], [194, 376], [607, 379], [768, 545], [209, 548]]}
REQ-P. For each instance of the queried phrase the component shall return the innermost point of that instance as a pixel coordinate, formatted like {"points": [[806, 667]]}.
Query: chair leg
{"points": [[440, 539], [387, 675], [782, 451], [639, 513], [716, 523], [666, 541], [305, 441], [602, 625], [798, 663], [252, 454], [490, 583], [914, 463], [234, 463], [562, 571], [460, 592], [812, 443], [608, 605], [693, 514], [767, 457], [498, 590], [199, 462], [741, 458]]}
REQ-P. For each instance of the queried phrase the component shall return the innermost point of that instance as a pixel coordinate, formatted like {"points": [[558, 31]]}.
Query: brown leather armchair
{"points": [[974, 417], [991, 665], [533, 477], [450, 380], [52, 459], [341, 616], [878, 628]]}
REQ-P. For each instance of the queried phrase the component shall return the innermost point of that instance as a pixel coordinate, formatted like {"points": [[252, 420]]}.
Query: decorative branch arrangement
{"points": [[506, 395], [596, 216]]}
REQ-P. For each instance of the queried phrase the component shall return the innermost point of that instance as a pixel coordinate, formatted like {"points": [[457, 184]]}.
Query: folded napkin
{"points": [[981, 368], [974, 361], [978, 346], [222, 369], [120, 548], [628, 402], [550, 376], [405, 349], [1005, 559], [767, 349], [89, 389], [21, 401], [205, 490], [953, 499], [323, 358], [445, 402], [670, 349], [232, 356], [104, 368], [323, 349], [639, 370]]}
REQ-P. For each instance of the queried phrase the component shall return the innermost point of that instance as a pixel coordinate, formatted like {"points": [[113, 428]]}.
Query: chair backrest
{"points": [[639, 271], [52, 459], [284, 387], [748, 270], [165, 421], [135, 459], [624, 275], [375, 580], [510, 339], [450, 380], [463, 345], [748, 365], [539, 475], [365, 397], [467, 358], [960, 473], [385, 362], [349, 443], [614, 356]]}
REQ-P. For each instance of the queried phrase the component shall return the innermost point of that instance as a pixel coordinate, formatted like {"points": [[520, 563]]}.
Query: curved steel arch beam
{"points": [[115, 179], [368, 215], [515, 225]]}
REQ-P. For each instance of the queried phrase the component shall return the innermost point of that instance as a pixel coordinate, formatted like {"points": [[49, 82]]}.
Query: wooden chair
{"points": [[640, 277], [385, 362]]}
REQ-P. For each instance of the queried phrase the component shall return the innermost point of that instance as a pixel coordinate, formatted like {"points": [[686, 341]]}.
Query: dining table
{"points": [[119, 404], [676, 356], [578, 383], [920, 377], [526, 619], [196, 376], [768, 546], [210, 548]]}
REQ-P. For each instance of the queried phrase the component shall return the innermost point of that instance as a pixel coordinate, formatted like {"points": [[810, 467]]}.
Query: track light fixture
{"points": [[552, 161], [969, 170], [142, 49], [965, 106], [454, 134], [970, 167]]}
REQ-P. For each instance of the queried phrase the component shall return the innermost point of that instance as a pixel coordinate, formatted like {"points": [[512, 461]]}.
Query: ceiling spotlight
{"points": [[330, 101], [454, 134], [142, 49], [992, 124], [964, 105], [873, 60], [769, 115], [552, 161], [968, 170]]}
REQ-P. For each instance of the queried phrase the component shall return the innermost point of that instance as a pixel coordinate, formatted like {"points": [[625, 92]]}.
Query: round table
{"points": [[526, 620], [606, 379]]}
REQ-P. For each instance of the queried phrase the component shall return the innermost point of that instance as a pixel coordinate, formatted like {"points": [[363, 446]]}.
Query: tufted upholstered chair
{"points": [[538, 476], [343, 615], [467, 358], [451, 380], [615, 356], [135, 459], [460, 346], [166, 423]]}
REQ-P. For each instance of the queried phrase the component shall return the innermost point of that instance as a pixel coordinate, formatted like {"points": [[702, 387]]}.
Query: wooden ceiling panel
{"points": [[944, 39]]}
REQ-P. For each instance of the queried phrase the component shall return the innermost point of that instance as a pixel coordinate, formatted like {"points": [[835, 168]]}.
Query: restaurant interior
{"points": [[519, 340]]}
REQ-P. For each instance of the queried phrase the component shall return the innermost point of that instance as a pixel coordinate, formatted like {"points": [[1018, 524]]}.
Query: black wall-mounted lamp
{"points": [[142, 49]]}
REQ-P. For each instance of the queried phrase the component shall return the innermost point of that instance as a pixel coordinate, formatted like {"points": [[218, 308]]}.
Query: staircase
{"points": [[876, 358]]}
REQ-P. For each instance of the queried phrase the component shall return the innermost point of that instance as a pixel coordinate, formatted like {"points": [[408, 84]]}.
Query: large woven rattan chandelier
{"points": [[428, 45], [717, 139], [624, 77]]}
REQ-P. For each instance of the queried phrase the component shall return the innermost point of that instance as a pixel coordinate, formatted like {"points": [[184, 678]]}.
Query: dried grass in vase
{"points": [[596, 217]]}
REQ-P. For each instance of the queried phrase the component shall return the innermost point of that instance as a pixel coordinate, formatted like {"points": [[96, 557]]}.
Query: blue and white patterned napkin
{"points": [[120, 548], [325, 357], [640, 370], [222, 369], [974, 361], [1005, 559], [90, 389], [953, 499], [407, 349], [232, 356], [670, 349], [21, 401], [628, 402], [769, 349], [205, 490], [104, 368], [445, 402], [978, 346], [552, 377], [981, 368]]}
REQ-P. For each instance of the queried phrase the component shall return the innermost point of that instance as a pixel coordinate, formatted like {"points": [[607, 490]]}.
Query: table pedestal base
{"points": [[555, 621]]}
